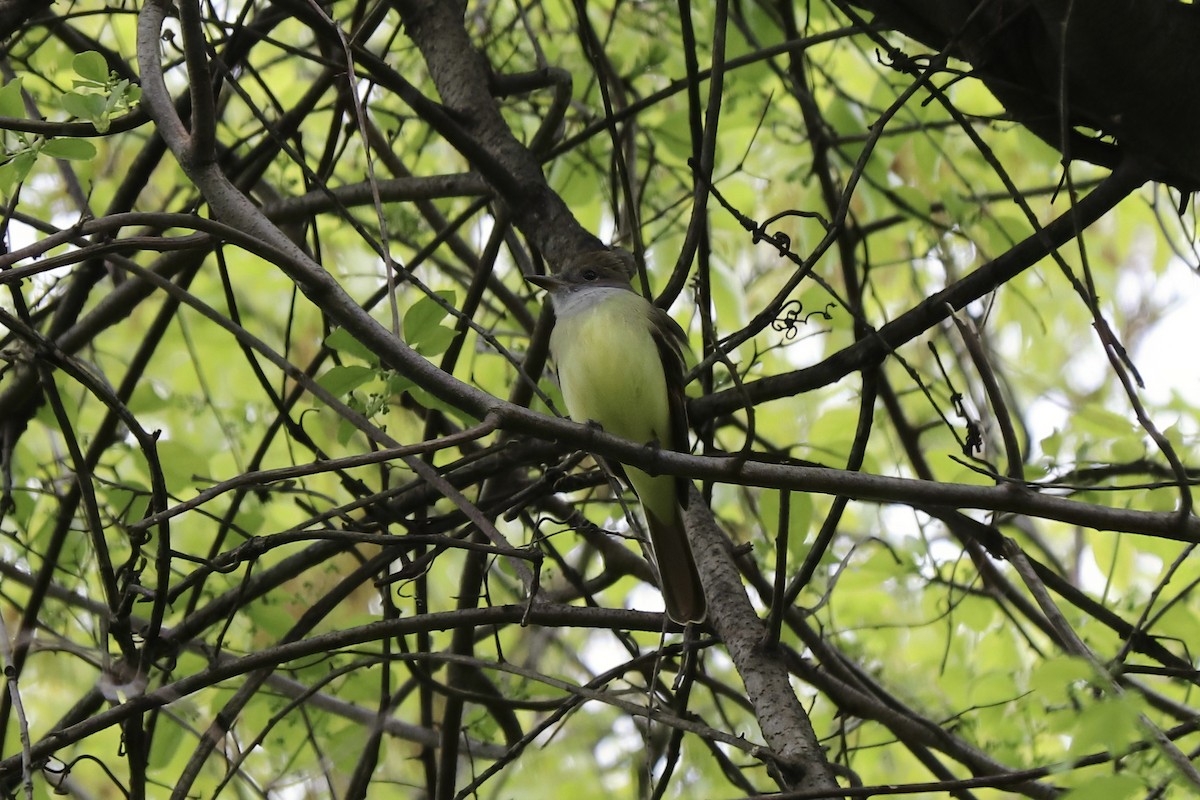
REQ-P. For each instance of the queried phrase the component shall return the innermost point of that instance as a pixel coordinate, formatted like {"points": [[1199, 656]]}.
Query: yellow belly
{"points": [[610, 372]]}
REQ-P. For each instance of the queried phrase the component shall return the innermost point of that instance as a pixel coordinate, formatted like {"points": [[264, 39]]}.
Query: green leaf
{"points": [[993, 688], [975, 613], [183, 465], [397, 384], [913, 198], [1128, 448], [91, 66], [70, 149], [344, 342], [1110, 724], [8, 178], [83, 106], [271, 617], [10, 100], [435, 342], [800, 511], [426, 400], [423, 319], [1107, 787], [167, 738], [22, 164], [1104, 424], [1051, 444], [1053, 678], [340, 381], [24, 502], [345, 431]]}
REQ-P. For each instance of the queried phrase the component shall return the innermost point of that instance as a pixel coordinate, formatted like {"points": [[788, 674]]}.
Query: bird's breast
{"points": [[609, 366]]}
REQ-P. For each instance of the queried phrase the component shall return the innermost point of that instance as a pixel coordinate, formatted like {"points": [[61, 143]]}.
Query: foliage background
{"points": [[249, 550]]}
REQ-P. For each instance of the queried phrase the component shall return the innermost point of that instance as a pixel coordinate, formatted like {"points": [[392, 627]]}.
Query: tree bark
{"points": [[1067, 70]]}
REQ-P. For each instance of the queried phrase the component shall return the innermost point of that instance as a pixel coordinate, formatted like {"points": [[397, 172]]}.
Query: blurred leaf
{"points": [[913, 199], [88, 107], [800, 513], [1126, 449], [131, 505], [16, 170], [168, 736], [397, 384], [1053, 679], [70, 149], [344, 342], [1115, 786], [1103, 423], [976, 613], [993, 688], [183, 464], [91, 66], [341, 380], [1110, 724], [271, 618], [11, 104], [24, 502], [422, 325]]}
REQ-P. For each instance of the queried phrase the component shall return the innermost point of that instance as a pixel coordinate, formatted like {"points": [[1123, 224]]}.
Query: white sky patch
{"points": [[1167, 356]]}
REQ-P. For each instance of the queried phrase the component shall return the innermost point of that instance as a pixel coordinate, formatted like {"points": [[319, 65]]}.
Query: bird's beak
{"points": [[547, 282]]}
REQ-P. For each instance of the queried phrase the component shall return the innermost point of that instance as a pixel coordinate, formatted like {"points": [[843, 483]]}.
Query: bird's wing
{"points": [[671, 340]]}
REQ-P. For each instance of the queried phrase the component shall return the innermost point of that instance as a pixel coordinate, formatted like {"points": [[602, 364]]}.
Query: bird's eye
{"points": [[590, 275]]}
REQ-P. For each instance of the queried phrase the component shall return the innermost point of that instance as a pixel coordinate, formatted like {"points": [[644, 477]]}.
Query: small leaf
{"points": [[10, 100], [182, 464], [426, 400], [1051, 444], [345, 431], [344, 342], [340, 381], [1127, 449], [422, 320], [975, 613], [397, 384], [1104, 423], [912, 198], [1107, 787], [92, 66], [167, 738], [70, 149], [1054, 678], [271, 618], [435, 341], [83, 106], [1110, 724], [111, 102], [8, 178], [22, 164], [24, 502]]}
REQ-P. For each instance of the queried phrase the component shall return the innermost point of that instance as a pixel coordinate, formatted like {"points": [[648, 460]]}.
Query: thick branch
{"points": [[785, 725], [1116, 66], [461, 76]]}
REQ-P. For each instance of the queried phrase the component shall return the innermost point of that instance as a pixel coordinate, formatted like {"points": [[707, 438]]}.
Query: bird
{"points": [[619, 360]]}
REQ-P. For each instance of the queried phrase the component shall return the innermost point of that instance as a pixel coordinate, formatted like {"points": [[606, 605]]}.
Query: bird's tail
{"points": [[682, 592]]}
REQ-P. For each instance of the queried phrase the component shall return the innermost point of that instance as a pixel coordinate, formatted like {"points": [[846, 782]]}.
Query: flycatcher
{"points": [[620, 364]]}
